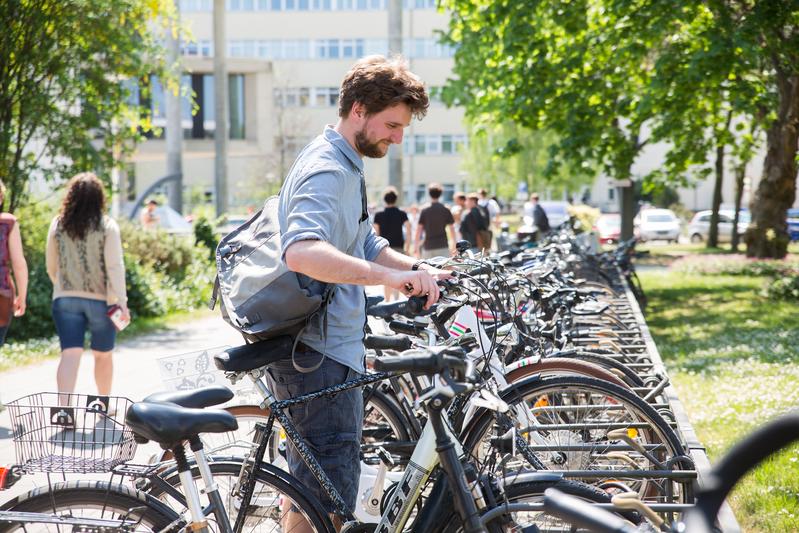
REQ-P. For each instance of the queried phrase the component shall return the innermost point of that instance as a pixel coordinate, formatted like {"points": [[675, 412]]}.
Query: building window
{"points": [[611, 193]]}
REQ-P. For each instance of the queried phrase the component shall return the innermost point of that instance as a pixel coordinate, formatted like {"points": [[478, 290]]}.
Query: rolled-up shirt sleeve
{"points": [[373, 245], [313, 210]]}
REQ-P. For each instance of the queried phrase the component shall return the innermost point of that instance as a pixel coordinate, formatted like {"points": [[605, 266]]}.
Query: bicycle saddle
{"points": [[197, 399], [250, 356], [169, 424]]}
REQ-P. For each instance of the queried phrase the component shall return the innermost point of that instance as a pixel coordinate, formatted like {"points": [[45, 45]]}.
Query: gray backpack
{"points": [[258, 294]]}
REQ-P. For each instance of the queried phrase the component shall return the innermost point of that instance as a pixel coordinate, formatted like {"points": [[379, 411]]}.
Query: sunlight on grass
{"points": [[733, 356]]}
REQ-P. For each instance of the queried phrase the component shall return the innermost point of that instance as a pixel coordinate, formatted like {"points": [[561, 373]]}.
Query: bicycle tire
{"points": [[654, 429], [281, 483], [111, 501]]}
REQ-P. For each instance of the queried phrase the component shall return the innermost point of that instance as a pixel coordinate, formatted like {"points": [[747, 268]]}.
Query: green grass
{"points": [[16, 354], [733, 356]]}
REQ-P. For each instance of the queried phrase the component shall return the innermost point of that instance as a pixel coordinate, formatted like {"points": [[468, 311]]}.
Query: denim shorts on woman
{"points": [[73, 316], [330, 425]]}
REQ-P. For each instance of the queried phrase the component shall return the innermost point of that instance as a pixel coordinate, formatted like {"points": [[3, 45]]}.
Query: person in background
{"points": [[540, 218], [436, 220], [149, 218], [84, 262], [390, 223], [492, 206], [457, 209], [473, 222], [13, 292]]}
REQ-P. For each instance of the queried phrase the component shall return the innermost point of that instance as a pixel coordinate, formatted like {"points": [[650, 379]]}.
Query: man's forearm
{"points": [[392, 259], [324, 262]]}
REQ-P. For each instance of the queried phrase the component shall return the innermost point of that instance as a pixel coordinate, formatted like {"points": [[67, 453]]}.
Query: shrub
{"points": [[170, 254], [204, 235], [784, 288]]}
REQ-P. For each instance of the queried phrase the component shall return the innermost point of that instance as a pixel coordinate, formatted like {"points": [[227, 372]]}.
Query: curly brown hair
{"points": [[377, 83], [83, 206]]}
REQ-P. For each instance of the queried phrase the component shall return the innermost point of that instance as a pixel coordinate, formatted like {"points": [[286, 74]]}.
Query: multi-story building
{"points": [[286, 61]]}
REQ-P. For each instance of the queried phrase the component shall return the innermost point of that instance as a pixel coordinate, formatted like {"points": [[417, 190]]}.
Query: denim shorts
{"points": [[73, 316], [330, 425]]}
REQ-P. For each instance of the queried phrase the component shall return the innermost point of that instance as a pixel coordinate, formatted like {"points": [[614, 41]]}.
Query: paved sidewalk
{"points": [[136, 372]]}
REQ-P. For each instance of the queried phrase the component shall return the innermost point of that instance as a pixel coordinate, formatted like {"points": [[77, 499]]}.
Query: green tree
{"points": [[64, 101], [602, 73], [571, 68]]}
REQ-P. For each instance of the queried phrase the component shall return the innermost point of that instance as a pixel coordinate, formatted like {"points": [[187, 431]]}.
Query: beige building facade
{"points": [[286, 61]]}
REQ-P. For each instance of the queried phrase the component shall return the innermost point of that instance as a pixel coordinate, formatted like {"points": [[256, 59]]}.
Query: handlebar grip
{"points": [[582, 514], [425, 363], [415, 304], [399, 343], [405, 328]]}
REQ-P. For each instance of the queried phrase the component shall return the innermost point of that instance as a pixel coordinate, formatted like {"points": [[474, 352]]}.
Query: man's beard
{"points": [[367, 148]]}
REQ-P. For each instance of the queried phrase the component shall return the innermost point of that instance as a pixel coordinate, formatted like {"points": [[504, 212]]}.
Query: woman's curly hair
{"points": [[83, 206]]}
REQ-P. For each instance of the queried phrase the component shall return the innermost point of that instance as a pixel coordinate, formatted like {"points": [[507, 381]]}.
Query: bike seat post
{"points": [[198, 521], [211, 488]]}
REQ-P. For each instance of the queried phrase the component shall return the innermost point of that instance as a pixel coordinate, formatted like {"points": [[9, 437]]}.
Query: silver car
{"points": [[699, 228]]}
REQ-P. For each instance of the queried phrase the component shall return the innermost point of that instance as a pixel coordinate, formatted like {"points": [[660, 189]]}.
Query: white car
{"points": [[699, 228], [657, 224]]}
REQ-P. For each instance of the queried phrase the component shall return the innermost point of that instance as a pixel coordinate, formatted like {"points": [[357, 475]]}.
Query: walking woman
{"points": [[13, 293], [84, 262]]}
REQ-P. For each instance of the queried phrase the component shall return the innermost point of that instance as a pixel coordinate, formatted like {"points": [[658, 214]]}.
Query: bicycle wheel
{"points": [[275, 492], [566, 421], [90, 500], [384, 425]]}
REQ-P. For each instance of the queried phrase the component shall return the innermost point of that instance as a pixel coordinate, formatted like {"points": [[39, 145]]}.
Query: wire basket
{"points": [[55, 432]]}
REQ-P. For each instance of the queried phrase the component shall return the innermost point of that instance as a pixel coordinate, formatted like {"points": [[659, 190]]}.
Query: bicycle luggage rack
{"points": [[726, 519]]}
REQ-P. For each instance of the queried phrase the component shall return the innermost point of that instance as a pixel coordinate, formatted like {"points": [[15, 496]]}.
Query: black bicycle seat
{"points": [[196, 399], [169, 424]]}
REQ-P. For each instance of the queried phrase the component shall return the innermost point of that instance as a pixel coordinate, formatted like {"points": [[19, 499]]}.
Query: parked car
{"points": [[657, 224], [699, 228], [793, 224], [608, 227]]}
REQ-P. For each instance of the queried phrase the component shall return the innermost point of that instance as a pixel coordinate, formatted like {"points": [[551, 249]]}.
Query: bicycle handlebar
{"points": [[423, 363], [413, 306], [399, 343]]}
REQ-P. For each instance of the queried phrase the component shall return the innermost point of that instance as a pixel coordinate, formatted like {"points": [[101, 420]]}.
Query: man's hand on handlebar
{"points": [[418, 283]]}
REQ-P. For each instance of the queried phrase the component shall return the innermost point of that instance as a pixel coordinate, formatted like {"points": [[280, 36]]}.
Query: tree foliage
{"points": [[610, 76], [64, 101], [501, 156]]}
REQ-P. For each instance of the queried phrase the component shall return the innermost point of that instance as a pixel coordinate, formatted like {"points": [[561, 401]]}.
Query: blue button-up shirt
{"points": [[321, 200]]}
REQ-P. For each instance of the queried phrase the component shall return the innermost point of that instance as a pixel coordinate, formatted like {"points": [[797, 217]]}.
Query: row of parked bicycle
{"points": [[532, 373]]}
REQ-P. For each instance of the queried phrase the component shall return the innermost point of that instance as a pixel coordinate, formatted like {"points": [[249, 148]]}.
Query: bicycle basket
{"points": [[78, 434]]}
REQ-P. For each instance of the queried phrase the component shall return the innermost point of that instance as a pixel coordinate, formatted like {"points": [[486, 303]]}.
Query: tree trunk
{"points": [[740, 173], [713, 235], [767, 236]]}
